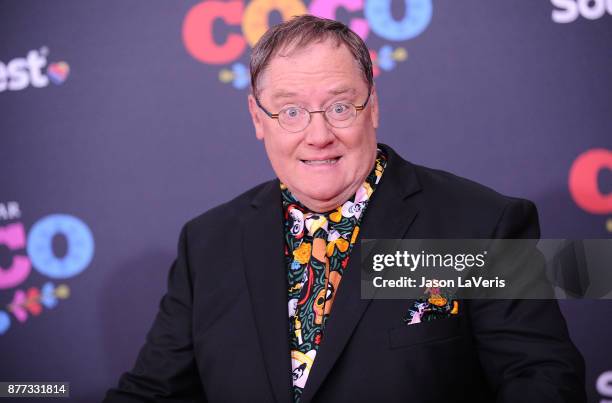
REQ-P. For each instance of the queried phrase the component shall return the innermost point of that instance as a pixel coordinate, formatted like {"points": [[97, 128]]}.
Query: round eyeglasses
{"points": [[295, 119]]}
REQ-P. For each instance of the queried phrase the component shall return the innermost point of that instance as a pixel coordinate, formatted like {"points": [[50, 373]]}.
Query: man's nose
{"points": [[318, 133]]}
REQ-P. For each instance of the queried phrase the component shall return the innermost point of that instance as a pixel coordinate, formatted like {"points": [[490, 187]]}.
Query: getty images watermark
{"points": [[487, 268]]}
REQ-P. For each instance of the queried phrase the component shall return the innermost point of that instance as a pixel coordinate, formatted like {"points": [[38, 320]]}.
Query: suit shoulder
{"points": [[446, 186], [474, 209], [228, 213]]}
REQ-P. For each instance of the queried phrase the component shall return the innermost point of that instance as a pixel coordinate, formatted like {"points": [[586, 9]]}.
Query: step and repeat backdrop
{"points": [[119, 121]]}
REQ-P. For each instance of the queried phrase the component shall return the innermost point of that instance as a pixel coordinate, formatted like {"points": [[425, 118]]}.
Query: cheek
{"points": [[280, 147], [361, 140], [361, 145]]}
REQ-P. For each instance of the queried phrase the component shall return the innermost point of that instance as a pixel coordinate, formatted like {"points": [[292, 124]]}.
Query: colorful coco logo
{"points": [[22, 72], [35, 250], [583, 182], [370, 17]]}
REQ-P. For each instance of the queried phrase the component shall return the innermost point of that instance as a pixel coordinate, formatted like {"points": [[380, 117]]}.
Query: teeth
{"points": [[320, 162]]}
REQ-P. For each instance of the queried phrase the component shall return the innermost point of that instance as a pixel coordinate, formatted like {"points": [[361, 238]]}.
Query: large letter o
{"points": [[417, 18], [255, 22], [80, 246], [583, 181]]}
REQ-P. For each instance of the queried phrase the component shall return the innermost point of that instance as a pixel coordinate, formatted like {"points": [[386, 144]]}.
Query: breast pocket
{"points": [[425, 332]]}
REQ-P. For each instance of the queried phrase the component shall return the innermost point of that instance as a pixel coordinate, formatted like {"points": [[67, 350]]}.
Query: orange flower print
{"points": [[302, 253], [336, 216], [354, 236], [339, 243], [437, 300]]}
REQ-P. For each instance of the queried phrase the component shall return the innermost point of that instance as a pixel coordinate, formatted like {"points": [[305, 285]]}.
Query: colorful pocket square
{"points": [[436, 306]]}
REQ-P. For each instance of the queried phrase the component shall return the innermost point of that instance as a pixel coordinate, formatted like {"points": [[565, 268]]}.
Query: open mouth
{"points": [[330, 161]]}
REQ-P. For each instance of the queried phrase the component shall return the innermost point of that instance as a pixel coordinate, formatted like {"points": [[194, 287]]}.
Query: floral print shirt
{"points": [[317, 249]]}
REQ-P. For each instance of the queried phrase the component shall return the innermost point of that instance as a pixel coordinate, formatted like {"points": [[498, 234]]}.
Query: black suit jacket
{"points": [[221, 334]]}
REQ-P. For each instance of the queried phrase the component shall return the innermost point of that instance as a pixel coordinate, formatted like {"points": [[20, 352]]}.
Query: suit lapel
{"points": [[389, 214], [263, 247]]}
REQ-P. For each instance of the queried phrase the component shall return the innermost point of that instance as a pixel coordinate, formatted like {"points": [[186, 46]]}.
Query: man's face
{"points": [[314, 78]]}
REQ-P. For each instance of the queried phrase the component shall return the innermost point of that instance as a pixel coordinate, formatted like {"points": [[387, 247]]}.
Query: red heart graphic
{"points": [[58, 72]]}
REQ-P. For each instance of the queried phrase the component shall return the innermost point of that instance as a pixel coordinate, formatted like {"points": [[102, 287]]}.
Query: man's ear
{"points": [[374, 106], [257, 122]]}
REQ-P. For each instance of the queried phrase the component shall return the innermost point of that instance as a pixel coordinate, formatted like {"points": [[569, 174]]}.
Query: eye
{"points": [[340, 108], [340, 111], [291, 112]]}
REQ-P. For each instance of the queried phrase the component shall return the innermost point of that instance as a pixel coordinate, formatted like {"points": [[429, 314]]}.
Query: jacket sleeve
{"points": [[524, 345], [165, 370]]}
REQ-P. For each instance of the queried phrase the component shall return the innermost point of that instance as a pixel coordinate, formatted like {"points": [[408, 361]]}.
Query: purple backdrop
{"points": [[111, 111]]}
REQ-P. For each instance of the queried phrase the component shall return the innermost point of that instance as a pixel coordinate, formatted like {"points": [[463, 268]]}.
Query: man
{"points": [[263, 300]]}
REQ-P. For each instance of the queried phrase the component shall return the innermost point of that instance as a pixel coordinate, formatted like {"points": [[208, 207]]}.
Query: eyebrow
{"points": [[289, 94]]}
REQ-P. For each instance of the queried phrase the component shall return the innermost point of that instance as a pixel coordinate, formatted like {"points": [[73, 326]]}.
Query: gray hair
{"points": [[301, 31]]}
